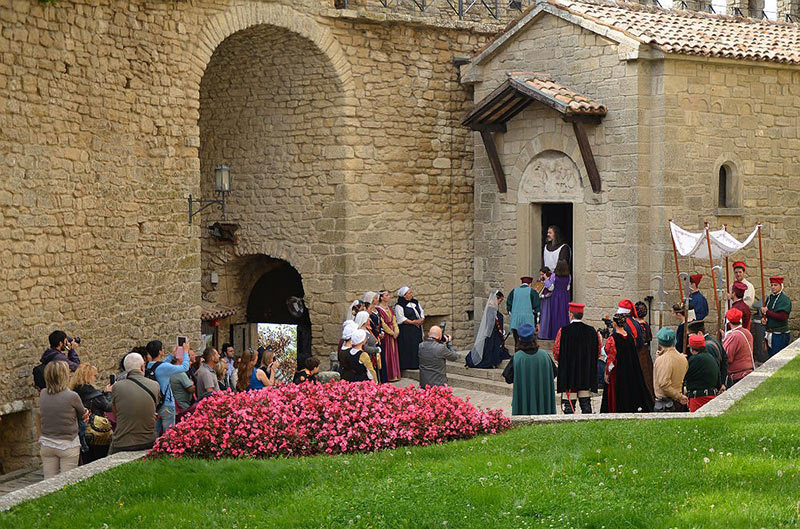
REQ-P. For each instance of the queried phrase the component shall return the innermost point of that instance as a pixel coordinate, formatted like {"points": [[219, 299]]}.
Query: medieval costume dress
{"points": [[410, 335], [779, 306], [576, 350], [489, 349], [703, 377], [738, 345], [700, 304], [626, 391], [390, 370], [534, 391], [557, 312], [523, 306]]}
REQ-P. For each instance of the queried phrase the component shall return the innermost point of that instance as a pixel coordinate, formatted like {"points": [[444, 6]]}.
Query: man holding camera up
{"points": [[434, 353], [59, 341]]}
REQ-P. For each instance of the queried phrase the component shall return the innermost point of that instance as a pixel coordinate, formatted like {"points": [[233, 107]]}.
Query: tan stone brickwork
{"points": [[351, 123], [671, 124]]}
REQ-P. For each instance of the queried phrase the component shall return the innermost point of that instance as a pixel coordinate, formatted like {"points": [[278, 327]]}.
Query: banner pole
{"points": [[761, 266], [677, 270], [727, 277], [713, 278]]}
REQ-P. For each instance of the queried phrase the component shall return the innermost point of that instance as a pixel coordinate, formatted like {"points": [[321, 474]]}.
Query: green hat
{"points": [[666, 336]]}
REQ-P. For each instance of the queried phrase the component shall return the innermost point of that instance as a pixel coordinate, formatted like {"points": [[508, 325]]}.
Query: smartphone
{"points": [[111, 379], [181, 341]]}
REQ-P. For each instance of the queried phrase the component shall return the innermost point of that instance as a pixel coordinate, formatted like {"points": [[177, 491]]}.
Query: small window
{"points": [[724, 186]]}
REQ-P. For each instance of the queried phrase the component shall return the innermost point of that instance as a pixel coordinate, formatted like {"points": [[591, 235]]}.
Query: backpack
{"points": [[150, 372], [38, 377]]}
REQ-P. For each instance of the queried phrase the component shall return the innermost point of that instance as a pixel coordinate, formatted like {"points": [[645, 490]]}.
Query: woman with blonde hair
{"points": [[98, 403], [60, 411]]}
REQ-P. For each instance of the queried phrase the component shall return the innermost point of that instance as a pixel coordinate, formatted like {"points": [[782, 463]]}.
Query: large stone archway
{"points": [[273, 106]]}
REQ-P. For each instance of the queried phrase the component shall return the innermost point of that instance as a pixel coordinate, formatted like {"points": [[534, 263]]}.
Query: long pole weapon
{"points": [[713, 277], [727, 277], [675, 253], [761, 266]]}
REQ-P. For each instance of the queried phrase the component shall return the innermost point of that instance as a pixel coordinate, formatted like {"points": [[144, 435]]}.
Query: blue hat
{"points": [[525, 333], [666, 336]]}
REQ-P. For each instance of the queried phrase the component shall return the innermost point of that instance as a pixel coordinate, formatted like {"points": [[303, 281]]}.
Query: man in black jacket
{"points": [[576, 350], [58, 342]]}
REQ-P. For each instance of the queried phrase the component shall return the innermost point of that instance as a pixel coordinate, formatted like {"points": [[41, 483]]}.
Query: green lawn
{"points": [[740, 470]]}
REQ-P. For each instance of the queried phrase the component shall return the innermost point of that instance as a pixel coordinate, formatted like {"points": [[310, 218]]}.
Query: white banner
{"points": [[723, 244]]}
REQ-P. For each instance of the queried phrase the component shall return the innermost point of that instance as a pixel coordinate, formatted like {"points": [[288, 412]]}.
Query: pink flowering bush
{"points": [[335, 418]]}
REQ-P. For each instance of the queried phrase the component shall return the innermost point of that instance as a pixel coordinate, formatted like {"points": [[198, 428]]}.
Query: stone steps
{"points": [[485, 380], [469, 382]]}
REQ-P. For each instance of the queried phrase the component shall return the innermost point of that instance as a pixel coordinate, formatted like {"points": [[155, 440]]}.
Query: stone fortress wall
{"points": [[342, 128]]}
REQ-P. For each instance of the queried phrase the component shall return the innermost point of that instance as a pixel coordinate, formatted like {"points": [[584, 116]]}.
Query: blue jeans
{"points": [[779, 342], [166, 418]]}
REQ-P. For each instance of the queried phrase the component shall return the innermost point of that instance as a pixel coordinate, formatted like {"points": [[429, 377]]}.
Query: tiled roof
{"points": [[690, 32], [212, 311], [573, 102]]}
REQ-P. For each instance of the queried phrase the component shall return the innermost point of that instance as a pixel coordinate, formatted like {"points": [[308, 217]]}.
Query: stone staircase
{"points": [[485, 380]]}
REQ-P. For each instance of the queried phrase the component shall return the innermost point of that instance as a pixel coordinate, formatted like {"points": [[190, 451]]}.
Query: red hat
{"points": [[734, 316], [697, 341], [626, 307], [739, 264], [526, 279], [576, 308], [739, 287], [776, 279], [696, 278]]}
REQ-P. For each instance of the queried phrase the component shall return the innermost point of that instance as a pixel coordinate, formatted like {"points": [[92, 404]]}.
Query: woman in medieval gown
{"points": [[391, 368], [489, 349], [410, 317], [625, 390], [557, 315]]}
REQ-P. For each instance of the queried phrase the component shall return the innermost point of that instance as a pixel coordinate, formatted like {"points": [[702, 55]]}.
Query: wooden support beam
{"points": [[586, 154], [494, 160]]}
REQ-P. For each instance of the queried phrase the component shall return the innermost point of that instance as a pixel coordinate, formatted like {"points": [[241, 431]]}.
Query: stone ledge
{"points": [[714, 408], [60, 481], [15, 406]]}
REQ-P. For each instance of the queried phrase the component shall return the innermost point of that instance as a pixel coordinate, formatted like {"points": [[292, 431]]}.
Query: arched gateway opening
{"points": [[273, 106]]}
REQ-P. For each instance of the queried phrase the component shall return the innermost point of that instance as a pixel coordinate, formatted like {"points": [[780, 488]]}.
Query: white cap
{"points": [[359, 337], [402, 291], [361, 318], [621, 310], [348, 330]]}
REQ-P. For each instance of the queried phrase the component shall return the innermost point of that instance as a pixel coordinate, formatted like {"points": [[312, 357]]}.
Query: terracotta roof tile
{"points": [[212, 311], [691, 32], [575, 103], [694, 33]]}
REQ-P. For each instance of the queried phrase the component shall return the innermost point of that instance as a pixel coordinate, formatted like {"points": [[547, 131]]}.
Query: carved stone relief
{"points": [[550, 175]]}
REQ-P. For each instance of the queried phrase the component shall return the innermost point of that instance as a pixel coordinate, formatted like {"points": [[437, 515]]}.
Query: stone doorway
{"points": [[273, 106]]}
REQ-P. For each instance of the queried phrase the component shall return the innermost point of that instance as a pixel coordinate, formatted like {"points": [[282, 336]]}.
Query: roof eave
{"points": [[631, 46]]}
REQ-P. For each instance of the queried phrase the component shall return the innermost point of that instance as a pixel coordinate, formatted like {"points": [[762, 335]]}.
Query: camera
{"points": [[77, 340], [445, 338], [605, 332]]}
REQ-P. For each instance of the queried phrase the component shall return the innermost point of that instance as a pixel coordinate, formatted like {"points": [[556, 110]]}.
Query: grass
{"points": [[739, 470]]}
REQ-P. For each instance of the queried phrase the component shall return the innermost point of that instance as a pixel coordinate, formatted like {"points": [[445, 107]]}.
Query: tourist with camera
{"points": [[434, 353], [59, 343]]}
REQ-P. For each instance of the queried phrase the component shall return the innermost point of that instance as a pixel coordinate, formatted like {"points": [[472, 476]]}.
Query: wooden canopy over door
{"points": [[521, 89]]}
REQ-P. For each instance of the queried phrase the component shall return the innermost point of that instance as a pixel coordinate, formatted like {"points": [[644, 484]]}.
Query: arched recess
{"points": [[275, 95], [548, 183]]}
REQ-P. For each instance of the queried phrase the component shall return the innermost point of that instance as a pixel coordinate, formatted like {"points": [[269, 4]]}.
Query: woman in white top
{"points": [[410, 318]]}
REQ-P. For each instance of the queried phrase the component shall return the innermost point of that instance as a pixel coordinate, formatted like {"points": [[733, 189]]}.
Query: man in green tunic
{"points": [[775, 315], [534, 391], [523, 307]]}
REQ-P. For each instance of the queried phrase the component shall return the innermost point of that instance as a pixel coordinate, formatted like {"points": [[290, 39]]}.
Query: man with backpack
{"points": [[161, 369], [58, 343]]}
